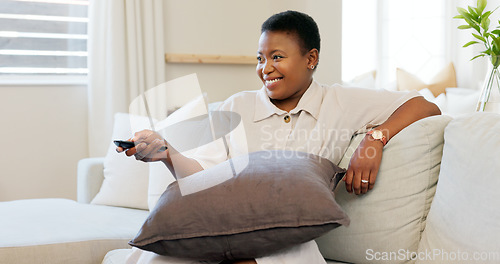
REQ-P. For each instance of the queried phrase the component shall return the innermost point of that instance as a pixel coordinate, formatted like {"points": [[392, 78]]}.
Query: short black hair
{"points": [[298, 23]]}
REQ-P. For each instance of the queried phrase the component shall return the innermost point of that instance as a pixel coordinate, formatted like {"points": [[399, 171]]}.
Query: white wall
{"points": [[44, 128], [44, 134], [233, 28]]}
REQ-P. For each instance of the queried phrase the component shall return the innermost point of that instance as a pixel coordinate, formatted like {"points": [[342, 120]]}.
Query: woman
{"points": [[292, 109]]}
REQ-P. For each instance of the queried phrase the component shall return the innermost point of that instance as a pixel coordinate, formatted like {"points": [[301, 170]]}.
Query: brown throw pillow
{"points": [[446, 78], [279, 200]]}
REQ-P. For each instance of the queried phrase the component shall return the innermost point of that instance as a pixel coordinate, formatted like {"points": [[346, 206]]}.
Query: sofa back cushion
{"points": [[390, 217], [463, 223]]}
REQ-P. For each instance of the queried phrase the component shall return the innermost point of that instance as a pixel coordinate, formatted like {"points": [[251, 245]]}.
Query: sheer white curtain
{"points": [[392, 34], [418, 36], [126, 57]]}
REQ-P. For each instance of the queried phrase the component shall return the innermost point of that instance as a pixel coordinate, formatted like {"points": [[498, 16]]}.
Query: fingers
{"points": [[348, 180], [150, 152], [373, 178], [142, 135], [356, 182], [131, 151], [120, 149], [359, 181], [147, 146], [363, 167], [146, 150], [364, 183]]}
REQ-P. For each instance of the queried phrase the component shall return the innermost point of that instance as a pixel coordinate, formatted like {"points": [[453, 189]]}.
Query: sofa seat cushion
{"points": [[64, 231]]}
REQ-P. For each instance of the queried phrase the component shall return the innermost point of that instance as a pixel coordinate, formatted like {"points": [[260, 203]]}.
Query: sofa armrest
{"points": [[90, 176]]}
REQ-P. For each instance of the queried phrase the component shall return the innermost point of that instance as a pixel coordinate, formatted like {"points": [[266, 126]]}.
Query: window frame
{"points": [[43, 80], [9, 80]]}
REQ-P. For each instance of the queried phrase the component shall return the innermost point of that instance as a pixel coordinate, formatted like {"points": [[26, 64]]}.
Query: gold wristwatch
{"points": [[378, 135]]}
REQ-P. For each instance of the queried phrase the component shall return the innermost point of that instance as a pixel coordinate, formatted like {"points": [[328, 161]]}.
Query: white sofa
{"points": [[408, 217], [66, 231]]}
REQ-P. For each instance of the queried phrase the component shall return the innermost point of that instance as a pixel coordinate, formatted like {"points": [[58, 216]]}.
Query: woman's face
{"points": [[283, 68]]}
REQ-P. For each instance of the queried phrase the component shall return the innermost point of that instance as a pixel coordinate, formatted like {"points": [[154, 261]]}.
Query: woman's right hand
{"points": [[147, 147]]}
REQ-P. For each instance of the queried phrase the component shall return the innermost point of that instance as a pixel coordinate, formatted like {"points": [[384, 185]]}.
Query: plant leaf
{"points": [[486, 15], [481, 5], [458, 17], [485, 24], [479, 37], [496, 45], [470, 43], [487, 52], [475, 57], [473, 13], [466, 15], [476, 27], [497, 61], [496, 31], [464, 27]]}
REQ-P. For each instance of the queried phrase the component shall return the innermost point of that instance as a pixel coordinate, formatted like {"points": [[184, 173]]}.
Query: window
{"points": [[43, 38], [383, 35]]}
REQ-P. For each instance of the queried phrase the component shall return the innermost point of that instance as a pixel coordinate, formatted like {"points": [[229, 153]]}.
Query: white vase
{"points": [[489, 100]]}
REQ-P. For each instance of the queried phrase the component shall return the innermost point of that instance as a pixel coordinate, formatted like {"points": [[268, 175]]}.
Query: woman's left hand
{"points": [[364, 165]]}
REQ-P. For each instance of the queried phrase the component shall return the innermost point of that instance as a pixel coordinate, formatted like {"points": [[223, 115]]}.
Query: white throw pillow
{"points": [[440, 100], [159, 179], [391, 216], [365, 80], [463, 223], [427, 94], [461, 101], [160, 176], [125, 179]]}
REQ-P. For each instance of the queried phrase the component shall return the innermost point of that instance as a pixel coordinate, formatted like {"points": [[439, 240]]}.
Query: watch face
{"points": [[377, 134]]}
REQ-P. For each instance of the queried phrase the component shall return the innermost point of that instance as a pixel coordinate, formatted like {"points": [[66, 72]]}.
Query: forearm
{"points": [[180, 165], [413, 110], [365, 162]]}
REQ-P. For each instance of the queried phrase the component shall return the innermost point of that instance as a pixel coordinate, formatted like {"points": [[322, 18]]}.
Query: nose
{"points": [[267, 67]]}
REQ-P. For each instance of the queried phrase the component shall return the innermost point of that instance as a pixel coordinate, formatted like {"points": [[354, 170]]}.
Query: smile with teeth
{"points": [[273, 80]]}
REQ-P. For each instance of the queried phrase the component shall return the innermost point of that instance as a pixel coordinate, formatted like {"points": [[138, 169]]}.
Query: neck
{"points": [[291, 102], [285, 105]]}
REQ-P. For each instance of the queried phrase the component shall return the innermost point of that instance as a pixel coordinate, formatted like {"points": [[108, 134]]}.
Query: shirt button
{"points": [[287, 119]]}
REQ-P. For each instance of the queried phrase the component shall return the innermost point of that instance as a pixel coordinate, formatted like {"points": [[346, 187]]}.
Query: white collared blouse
{"points": [[322, 123]]}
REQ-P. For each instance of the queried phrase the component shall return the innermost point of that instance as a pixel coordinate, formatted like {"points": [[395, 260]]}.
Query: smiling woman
{"points": [[285, 71], [287, 56], [297, 109]]}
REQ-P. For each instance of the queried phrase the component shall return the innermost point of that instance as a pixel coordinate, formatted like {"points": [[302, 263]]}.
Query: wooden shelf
{"points": [[209, 59]]}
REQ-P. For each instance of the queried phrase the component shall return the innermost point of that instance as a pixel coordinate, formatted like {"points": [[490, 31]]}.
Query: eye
{"points": [[259, 59], [277, 57]]}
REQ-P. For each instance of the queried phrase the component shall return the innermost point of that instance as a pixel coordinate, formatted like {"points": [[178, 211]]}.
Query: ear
{"points": [[312, 57]]}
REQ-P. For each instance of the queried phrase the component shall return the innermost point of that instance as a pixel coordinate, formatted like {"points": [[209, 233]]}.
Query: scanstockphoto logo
{"points": [[178, 111], [437, 255]]}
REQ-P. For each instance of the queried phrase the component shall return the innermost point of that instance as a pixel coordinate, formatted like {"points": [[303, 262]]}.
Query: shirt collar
{"points": [[310, 102]]}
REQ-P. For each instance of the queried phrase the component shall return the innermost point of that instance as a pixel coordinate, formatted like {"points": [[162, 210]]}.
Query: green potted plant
{"points": [[478, 19]]}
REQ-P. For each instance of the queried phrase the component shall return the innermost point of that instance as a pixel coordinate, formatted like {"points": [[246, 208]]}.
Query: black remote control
{"points": [[130, 144]]}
